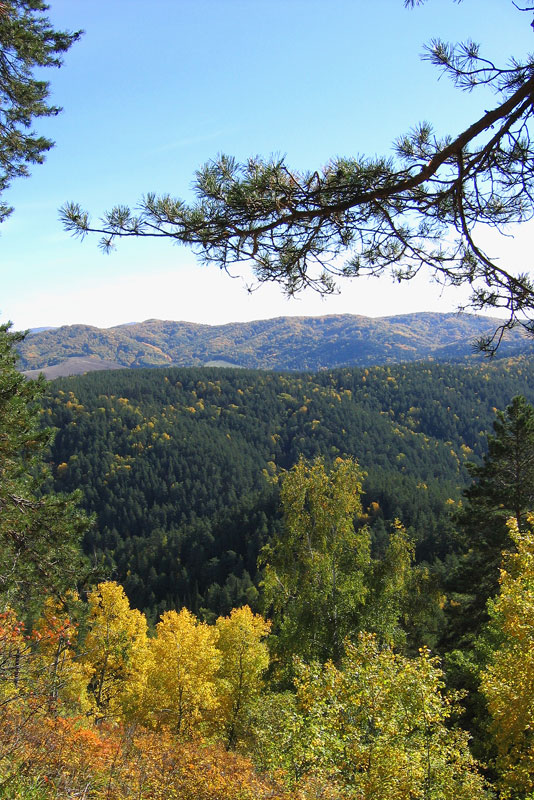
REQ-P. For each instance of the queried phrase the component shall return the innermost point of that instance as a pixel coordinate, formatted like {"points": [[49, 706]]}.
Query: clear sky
{"points": [[155, 89]]}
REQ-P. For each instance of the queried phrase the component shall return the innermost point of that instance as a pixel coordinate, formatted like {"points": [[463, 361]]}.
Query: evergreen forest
{"points": [[181, 466]]}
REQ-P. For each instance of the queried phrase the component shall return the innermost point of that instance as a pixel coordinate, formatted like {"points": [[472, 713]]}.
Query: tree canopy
{"points": [[27, 42], [423, 208]]}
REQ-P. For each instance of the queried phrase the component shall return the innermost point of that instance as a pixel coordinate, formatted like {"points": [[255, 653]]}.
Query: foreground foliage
{"points": [[58, 757], [508, 681], [374, 727]]}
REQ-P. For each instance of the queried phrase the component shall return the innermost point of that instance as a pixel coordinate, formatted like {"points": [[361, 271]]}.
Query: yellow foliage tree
{"points": [[181, 688], [59, 674], [244, 659], [116, 649], [508, 681]]}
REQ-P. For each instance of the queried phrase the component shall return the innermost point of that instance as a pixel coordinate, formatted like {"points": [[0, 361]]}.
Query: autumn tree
{"points": [[182, 680], [378, 727], [244, 659], [115, 649], [28, 42], [508, 680], [315, 570], [422, 209], [15, 652], [59, 674]]}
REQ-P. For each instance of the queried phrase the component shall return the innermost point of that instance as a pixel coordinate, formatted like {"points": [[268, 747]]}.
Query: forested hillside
{"points": [[180, 465], [285, 343]]}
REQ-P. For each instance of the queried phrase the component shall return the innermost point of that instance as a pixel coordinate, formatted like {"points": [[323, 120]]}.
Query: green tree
{"points": [[392, 584], [315, 569], [378, 727], [503, 487], [39, 534], [27, 42], [424, 208]]}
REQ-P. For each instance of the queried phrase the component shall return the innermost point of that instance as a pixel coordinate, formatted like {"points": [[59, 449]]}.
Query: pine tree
{"points": [[27, 42], [422, 209], [39, 534]]}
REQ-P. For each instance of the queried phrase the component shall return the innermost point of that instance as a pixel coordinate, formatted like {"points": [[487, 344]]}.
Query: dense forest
{"points": [[220, 584], [181, 466]]}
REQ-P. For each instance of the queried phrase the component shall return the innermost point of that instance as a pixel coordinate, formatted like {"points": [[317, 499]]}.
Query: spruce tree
{"points": [[39, 533], [503, 488]]}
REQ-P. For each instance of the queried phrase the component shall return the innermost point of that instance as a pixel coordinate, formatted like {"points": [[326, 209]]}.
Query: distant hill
{"points": [[284, 343]]}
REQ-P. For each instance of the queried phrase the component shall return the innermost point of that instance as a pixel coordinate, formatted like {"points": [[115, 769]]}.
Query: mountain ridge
{"points": [[280, 343]]}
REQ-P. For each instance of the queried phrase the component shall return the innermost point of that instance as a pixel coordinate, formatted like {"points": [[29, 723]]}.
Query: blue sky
{"points": [[154, 90]]}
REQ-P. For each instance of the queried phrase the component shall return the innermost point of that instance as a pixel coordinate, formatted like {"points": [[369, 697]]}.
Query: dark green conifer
{"points": [[39, 534], [503, 487], [27, 42]]}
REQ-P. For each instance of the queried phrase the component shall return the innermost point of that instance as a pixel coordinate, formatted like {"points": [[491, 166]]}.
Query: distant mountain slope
{"points": [[73, 366], [284, 343]]}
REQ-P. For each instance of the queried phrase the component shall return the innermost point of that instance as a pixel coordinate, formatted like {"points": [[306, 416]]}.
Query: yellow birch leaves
{"points": [[244, 659], [181, 682], [190, 678], [116, 649], [508, 682], [377, 729]]}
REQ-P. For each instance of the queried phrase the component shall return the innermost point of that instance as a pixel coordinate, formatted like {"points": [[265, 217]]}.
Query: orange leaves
{"points": [[189, 681], [110, 763]]}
